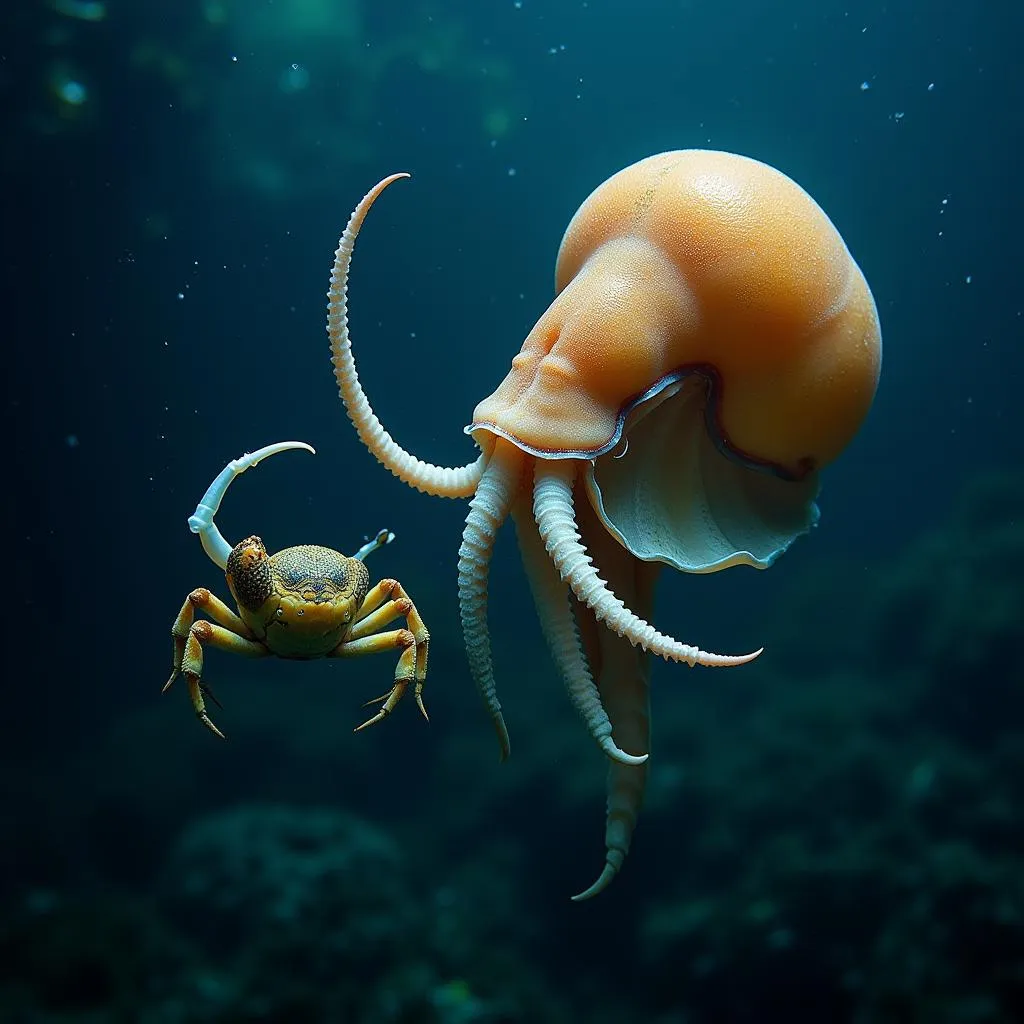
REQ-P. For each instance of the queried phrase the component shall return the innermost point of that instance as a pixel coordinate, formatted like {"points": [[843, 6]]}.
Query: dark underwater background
{"points": [[833, 833]]}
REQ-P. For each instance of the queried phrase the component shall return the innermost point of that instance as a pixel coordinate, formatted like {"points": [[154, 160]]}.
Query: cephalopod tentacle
{"points": [[622, 672], [489, 508], [556, 520], [447, 482], [551, 598]]}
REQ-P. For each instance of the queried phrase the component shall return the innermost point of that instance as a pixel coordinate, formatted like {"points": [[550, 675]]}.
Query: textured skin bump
{"points": [[704, 260], [249, 574], [300, 601], [318, 574]]}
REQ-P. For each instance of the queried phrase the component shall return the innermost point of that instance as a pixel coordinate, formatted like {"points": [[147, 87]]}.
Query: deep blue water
{"points": [[176, 178]]}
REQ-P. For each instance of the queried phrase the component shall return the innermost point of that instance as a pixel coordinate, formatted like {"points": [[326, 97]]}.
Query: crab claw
{"points": [[383, 537], [201, 521]]}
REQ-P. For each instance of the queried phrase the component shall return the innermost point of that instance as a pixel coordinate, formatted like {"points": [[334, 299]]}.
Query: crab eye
{"points": [[280, 613]]}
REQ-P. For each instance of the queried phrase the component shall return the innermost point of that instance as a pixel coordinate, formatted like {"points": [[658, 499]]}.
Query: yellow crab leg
{"points": [[374, 615], [201, 600], [405, 670], [203, 634]]}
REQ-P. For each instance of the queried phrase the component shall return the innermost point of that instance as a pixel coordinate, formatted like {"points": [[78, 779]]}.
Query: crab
{"points": [[302, 602]]}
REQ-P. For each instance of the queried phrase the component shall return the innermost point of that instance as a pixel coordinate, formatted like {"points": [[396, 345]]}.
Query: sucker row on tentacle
{"points": [[556, 520], [446, 482], [622, 674], [487, 511], [625, 796], [551, 597]]}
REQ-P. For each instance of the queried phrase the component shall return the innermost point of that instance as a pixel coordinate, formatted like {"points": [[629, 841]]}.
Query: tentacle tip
{"points": [[616, 753], [503, 740], [745, 659], [708, 660], [602, 883]]}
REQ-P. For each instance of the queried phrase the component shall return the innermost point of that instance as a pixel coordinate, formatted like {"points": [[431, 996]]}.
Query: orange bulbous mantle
{"points": [[706, 261]]}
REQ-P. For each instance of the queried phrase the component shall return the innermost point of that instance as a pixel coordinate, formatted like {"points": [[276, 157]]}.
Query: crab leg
{"points": [[405, 671], [201, 600], [203, 634], [374, 615]]}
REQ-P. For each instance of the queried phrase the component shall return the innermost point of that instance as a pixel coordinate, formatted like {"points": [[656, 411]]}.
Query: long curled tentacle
{"points": [[622, 672], [625, 785], [459, 482], [551, 598], [556, 519], [487, 511]]}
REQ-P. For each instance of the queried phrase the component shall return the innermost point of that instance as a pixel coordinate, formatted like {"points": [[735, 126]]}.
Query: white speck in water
{"points": [[967, 279], [294, 79], [931, 87], [181, 295], [71, 440], [864, 86]]}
